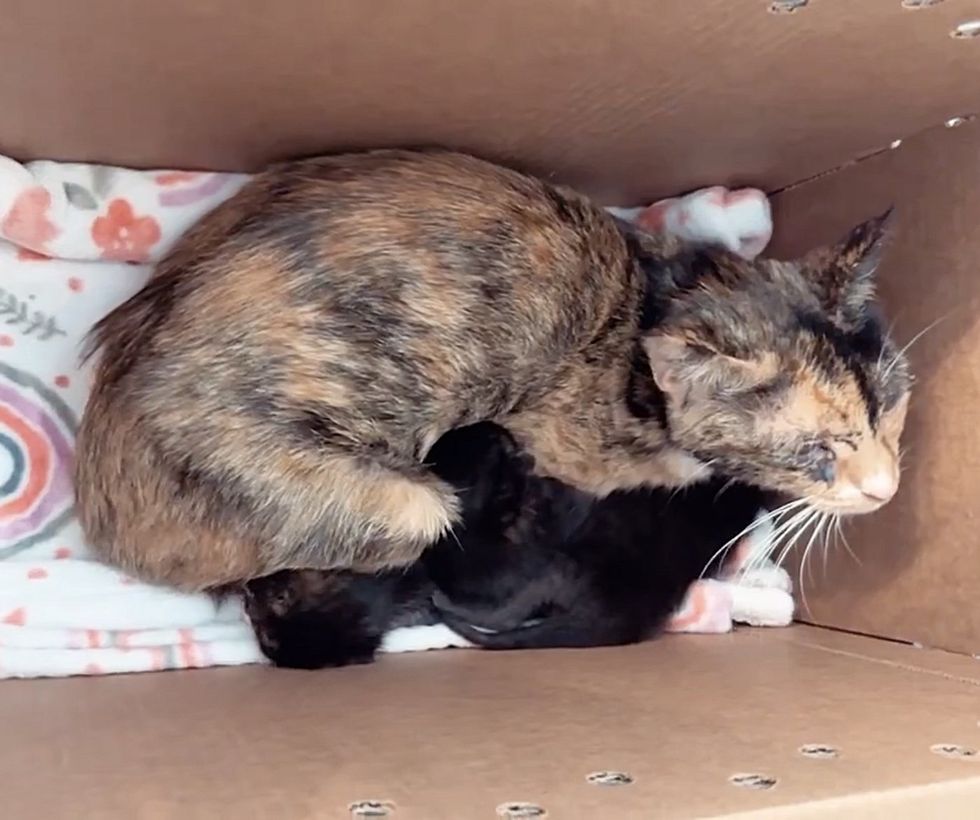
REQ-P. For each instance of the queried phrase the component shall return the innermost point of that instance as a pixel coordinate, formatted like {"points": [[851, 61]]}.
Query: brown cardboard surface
{"points": [[919, 575], [630, 99], [452, 735]]}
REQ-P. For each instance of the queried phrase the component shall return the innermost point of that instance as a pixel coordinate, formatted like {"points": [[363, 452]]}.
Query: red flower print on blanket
{"points": [[123, 236], [27, 255], [175, 177], [26, 223]]}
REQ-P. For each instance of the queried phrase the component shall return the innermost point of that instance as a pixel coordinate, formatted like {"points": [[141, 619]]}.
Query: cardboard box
{"points": [[630, 101], [455, 735]]}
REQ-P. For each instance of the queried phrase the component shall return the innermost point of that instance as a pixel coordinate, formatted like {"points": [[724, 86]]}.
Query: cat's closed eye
{"points": [[822, 463], [770, 389]]}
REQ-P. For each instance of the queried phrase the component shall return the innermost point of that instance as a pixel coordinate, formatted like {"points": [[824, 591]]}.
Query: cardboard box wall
{"points": [[630, 101], [916, 576]]}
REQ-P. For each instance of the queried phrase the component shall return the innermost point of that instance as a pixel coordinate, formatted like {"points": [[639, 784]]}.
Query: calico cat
{"points": [[534, 563], [265, 402]]}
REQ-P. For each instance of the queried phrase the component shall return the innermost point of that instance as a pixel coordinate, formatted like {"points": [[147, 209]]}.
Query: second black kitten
{"points": [[534, 564], [310, 619]]}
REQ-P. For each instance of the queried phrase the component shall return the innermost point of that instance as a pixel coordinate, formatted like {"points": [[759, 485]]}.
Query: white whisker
{"points": [[786, 529], [796, 535], [763, 551], [452, 532], [761, 520], [828, 534], [826, 546], [821, 522], [846, 544], [897, 357], [890, 334]]}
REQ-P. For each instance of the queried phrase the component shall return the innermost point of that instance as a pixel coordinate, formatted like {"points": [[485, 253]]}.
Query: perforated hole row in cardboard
{"points": [[787, 6], [967, 30], [753, 781]]}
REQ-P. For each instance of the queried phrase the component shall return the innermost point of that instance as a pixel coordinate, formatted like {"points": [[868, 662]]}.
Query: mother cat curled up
{"points": [[265, 402]]}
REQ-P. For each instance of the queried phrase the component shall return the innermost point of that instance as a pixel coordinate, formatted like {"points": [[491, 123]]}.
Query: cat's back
{"points": [[263, 402], [417, 240], [372, 266]]}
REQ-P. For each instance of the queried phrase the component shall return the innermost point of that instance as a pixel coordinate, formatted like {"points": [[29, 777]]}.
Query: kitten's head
{"points": [[782, 374]]}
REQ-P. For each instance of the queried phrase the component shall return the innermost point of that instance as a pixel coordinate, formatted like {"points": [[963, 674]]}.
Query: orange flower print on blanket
{"points": [[175, 177], [123, 236], [26, 223]]}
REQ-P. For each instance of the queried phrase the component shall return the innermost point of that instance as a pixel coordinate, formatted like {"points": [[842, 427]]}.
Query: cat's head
{"points": [[782, 374]]}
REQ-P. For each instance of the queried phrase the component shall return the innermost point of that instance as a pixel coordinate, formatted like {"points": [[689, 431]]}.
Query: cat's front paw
{"points": [[768, 576], [758, 606]]}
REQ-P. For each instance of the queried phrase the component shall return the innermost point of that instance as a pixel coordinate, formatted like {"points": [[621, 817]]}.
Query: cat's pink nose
{"points": [[880, 486]]}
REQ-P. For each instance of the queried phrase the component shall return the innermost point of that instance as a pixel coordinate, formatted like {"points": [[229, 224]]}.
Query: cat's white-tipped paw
{"points": [[768, 576], [762, 607]]}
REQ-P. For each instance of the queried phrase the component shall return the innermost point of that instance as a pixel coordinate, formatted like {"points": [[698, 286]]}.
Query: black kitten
{"points": [[310, 619], [534, 564], [572, 570]]}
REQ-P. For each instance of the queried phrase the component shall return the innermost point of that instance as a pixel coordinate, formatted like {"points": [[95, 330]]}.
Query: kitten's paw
{"points": [[421, 639], [707, 608]]}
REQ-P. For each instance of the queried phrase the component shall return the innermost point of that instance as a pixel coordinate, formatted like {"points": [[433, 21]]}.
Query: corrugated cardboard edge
{"points": [[900, 656], [950, 800]]}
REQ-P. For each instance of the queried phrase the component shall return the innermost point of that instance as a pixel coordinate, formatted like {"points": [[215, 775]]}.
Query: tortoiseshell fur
{"points": [[265, 401]]}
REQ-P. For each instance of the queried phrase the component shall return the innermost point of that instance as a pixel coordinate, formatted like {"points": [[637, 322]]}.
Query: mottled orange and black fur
{"points": [[265, 401], [533, 563]]}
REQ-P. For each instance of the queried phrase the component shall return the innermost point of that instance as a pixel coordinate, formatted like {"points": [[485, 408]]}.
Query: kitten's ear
{"points": [[843, 274], [681, 367]]}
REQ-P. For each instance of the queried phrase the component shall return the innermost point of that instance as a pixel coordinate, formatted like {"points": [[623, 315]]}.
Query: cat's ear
{"points": [[843, 274], [670, 360], [681, 367]]}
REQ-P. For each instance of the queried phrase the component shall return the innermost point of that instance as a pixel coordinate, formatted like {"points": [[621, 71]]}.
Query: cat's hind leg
{"points": [[348, 514]]}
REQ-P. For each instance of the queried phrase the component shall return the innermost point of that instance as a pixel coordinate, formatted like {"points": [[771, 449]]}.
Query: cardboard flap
{"points": [[630, 100], [458, 734]]}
